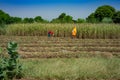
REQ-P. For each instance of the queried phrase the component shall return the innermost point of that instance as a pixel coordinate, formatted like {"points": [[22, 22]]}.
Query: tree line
{"points": [[103, 14]]}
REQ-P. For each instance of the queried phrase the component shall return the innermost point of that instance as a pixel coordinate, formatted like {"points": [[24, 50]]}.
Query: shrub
{"points": [[107, 20], [10, 67]]}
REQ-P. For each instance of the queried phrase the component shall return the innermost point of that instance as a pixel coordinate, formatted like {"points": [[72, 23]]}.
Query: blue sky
{"points": [[50, 9]]}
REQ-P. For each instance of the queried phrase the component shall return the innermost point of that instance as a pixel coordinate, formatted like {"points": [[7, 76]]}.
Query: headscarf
{"points": [[74, 31]]}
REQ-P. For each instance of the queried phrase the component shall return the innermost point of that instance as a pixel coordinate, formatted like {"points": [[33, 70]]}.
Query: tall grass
{"points": [[64, 30], [2, 29], [72, 69]]}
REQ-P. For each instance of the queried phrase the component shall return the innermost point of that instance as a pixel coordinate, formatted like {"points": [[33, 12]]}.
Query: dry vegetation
{"points": [[61, 47]]}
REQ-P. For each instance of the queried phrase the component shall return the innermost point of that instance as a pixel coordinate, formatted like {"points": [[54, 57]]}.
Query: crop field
{"points": [[63, 58], [84, 31], [93, 55], [61, 47]]}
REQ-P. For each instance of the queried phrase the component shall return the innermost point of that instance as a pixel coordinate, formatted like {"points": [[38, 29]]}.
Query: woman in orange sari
{"points": [[74, 32]]}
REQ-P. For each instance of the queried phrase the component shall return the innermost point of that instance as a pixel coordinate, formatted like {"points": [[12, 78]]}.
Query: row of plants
{"points": [[75, 66], [43, 46], [62, 40], [96, 31]]}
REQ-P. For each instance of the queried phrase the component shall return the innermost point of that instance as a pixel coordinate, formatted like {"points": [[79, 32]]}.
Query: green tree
{"points": [[79, 20], [91, 18], [116, 17], [15, 20], [56, 20], [68, 19], [107, 20], [104, 11], [63, 18], [28, 20], [38, 19], [4, 18]]}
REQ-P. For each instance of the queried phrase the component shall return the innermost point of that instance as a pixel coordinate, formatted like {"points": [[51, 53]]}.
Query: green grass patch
{"points": [[72, 68]]}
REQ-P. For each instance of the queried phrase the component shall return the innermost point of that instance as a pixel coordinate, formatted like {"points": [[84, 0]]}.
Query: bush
{"points": [[107, 20], [10, 67]]}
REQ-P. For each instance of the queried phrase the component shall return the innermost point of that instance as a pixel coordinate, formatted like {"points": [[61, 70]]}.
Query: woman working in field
{"points": [[50, 33], [74, 32]]}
